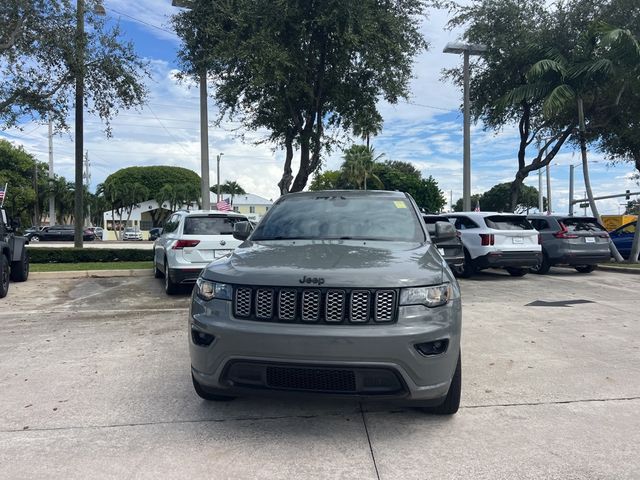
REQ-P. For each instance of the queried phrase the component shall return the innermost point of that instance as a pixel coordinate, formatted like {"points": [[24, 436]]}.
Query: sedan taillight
{"points": [[180, 244]]}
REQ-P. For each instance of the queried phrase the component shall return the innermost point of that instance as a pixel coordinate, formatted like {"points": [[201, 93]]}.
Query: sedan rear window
{"points": [[505, 222], [210, 225], [582, 225]]}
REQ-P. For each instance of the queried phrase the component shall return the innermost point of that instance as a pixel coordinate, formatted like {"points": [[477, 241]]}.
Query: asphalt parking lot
{"points": [[94, 383]]}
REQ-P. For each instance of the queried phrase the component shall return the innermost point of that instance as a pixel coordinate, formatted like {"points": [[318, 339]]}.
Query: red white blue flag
{"points": [[223, 205]]}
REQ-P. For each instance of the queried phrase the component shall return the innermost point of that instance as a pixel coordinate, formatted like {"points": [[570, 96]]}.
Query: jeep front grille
{"points": [[315, 305]]}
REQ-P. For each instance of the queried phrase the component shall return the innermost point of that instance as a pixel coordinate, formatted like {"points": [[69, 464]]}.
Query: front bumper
{"points": [[500, 259], [367, 355]]}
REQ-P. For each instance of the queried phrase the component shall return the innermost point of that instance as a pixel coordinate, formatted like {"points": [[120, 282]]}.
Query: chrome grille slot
{"points": [[359, 308], [287, 305], [243, 302], [310, 305], [385, 306], [264, 303], [334, 308]]}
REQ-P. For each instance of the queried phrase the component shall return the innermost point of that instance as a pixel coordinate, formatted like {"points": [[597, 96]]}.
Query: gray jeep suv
{"points": [[337, 293]]}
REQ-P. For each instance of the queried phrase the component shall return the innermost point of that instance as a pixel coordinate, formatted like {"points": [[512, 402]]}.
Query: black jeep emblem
{"points": [[315, 280]]}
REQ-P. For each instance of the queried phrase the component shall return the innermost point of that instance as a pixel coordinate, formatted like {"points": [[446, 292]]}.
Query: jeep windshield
{"points": [[329, 216]]}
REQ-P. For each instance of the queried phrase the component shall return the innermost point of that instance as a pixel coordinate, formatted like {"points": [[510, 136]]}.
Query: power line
{"points": [[143, 22]]}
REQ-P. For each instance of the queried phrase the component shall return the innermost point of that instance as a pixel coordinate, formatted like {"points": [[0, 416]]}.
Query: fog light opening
{"points": [[200, 338], [432, 348]]}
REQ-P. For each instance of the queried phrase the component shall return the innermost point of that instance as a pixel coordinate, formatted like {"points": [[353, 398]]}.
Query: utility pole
{"points": [[548, 189], [218, 179], [52, 198], [204, 144], [540, 195], [571, 167], [36, 209], [79, 124], [87, 180]]}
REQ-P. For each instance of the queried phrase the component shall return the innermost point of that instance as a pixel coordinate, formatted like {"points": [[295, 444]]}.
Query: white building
{"points": [[148, 214]]}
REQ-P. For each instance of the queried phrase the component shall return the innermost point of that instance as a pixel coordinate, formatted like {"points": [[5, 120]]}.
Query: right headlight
{"points": [[428, 296], [208, 290]]}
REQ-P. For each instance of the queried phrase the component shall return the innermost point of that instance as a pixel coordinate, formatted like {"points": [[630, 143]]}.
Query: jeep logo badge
{"points": [[314, 280]]}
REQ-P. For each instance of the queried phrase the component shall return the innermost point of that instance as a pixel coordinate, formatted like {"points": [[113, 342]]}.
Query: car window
{"points": [[431, 223], [582, 225], [210, 225], [332, 216], [507, 222], [171, 224], [463, 223], [539, 224]]}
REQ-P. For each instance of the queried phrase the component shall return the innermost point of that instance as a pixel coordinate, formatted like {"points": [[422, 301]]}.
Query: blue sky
{"points": [[426, 131]]}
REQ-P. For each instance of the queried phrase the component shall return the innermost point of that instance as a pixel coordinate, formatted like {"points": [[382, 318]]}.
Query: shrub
{"points": [[80, 255]]}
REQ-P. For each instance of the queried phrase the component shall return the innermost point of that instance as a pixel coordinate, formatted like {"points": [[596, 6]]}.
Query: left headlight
{"points": [[208, 290], [429, 296]]}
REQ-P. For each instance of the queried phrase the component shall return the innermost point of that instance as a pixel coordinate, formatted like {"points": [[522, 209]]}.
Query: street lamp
{"points": [[204, 126], [218, 177], [466, 49], [571, 170], [79, 120]]}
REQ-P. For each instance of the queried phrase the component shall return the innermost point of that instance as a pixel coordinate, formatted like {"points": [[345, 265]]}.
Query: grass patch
{"points": [[68, 267]]}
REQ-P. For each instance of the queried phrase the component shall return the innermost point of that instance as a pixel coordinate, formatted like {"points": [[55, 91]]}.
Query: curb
{"points": [[606, 268], [91, 274]]}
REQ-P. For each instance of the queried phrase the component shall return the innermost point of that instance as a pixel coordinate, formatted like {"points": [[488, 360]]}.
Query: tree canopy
{"points": [[303, 71], [39, 64], [498, 199], [391, 175]]}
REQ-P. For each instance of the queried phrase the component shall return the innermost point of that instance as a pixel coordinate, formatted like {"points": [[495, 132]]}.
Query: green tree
{"points": [[230, 188], [38, 63], [359, 165], [302, 70], [329, 180], [177, 185], [517, 33], [498, 199], [632, 208], [476, 199]]}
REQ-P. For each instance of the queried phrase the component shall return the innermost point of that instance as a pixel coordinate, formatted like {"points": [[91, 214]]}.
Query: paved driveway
{"points": [[94, 383]]}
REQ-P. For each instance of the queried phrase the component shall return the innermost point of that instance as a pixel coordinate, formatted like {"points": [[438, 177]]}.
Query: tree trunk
{"points": [[304, 171], [585, 164], [285, 182]]}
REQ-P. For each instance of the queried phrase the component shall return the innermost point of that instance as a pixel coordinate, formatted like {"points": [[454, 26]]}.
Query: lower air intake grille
{"points": [[312, 379]]}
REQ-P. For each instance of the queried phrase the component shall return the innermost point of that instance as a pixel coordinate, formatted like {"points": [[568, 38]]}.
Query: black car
{"points": [[445, 237], [59, 233], [154, 233]]}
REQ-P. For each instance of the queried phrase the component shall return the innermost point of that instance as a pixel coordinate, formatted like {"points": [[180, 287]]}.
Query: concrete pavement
{"points": [[94, 381]]}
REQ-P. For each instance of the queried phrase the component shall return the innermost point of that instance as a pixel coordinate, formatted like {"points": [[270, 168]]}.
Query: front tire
{"points": [[544, 267], [20, 268], [467, 269], [585, 268], [35, 238], [451, 402], [517, 271], [4, 276], [207, 395]]}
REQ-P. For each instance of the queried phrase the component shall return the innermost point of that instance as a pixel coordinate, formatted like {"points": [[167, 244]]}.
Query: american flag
{"points": [[223, 205], [2, 192], [477, 209]]}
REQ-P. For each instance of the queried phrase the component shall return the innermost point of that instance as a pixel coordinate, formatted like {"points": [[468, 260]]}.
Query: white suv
{"points": [[497, 240], [190, 240]]}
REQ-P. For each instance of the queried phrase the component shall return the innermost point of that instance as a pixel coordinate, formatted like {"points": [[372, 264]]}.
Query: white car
{"points": [[98, 232], [191, 240], [497, 240], [131, 233]]}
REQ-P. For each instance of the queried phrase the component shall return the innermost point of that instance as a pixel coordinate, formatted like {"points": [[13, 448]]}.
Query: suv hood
{"points": [[335, 263]]}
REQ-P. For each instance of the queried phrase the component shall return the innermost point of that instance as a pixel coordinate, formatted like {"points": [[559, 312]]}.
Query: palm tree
{"points": [[359, 164], [231, 188]]}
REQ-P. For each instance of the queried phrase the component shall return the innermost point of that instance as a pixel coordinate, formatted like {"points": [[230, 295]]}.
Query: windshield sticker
{"points": [[400, 204]]}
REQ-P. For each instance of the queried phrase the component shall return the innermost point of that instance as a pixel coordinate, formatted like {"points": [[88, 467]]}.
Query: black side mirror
{"points": [[241, 230], [445, 231]]}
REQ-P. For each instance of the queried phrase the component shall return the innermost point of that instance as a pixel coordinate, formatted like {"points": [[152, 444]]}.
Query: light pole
{"points": [[79, 121], [571, 178], [52, 198], [205, 182], [466, 49], [218, 177]]}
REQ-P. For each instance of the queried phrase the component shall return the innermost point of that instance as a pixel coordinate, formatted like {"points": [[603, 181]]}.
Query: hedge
{"points": [[79, 255]]}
